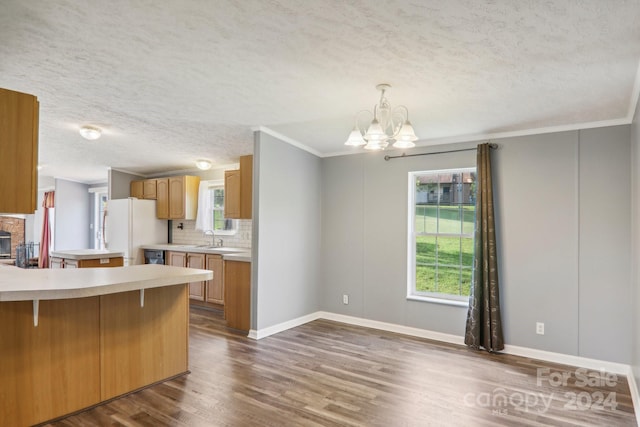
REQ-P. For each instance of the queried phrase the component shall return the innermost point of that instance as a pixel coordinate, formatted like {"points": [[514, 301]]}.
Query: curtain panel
{"points": [[45, 240], [484, 324]]}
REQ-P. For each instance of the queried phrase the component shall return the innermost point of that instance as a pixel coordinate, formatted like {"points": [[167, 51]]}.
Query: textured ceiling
{"points": [[171, 83]]}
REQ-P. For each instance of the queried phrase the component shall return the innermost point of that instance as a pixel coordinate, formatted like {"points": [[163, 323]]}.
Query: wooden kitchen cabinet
{"points": [[191, 260], [177, 197], [232, 194], [19, 152], [237, 301], [56, 262], [238, 190], [144, 189], [215, 286], [70, 259], [149, 190], [136, 189]]}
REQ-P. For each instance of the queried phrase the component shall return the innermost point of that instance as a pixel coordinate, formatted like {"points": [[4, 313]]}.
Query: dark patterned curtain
{"points": [[45, 240], [484, 326]]}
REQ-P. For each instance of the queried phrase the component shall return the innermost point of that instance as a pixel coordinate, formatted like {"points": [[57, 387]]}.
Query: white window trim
{"points": [[445, 299], [219, 183]]}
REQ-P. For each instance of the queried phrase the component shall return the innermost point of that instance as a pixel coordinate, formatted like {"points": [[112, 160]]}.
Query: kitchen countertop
{"points": [[228, 253], [80, 254], [17, 284]]}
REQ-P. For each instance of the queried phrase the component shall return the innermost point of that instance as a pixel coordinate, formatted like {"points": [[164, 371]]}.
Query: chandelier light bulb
{"points": [[389, 125]]}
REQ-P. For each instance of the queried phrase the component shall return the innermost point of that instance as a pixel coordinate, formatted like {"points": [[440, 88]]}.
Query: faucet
{"points": [[213, 236]]}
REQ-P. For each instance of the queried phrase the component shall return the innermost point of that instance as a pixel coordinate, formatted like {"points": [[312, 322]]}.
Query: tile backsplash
{"points": [[190, 236]]}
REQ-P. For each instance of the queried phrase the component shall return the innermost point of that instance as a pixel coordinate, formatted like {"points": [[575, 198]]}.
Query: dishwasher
{"points": [[152, 256]]}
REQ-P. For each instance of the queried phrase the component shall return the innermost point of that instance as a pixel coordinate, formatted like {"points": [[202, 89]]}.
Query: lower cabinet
{"points": [[191, 260], [210, 291], [237, 301], [215, 286], [56, 262]]}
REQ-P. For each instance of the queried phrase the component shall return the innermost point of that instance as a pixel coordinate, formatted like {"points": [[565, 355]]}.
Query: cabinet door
{"points": [[177, 259], [237, 301], [56, 263], [149, 190], [18, 152], [232, 194], [246, 186], [162, 194], [196, 289], [176, 197], [71, 263], [136, 189], [215, 286]]}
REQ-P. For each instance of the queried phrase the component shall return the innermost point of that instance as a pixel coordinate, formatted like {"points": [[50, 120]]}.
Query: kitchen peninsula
{"points": [[86, 258], [70, 339]]}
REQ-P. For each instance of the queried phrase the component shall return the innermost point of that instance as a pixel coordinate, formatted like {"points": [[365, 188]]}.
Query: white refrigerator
{"points": [[130, 223]]}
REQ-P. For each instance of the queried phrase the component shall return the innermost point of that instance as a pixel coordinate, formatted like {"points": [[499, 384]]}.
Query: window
{"points": [[221, 225], [441, 227]]}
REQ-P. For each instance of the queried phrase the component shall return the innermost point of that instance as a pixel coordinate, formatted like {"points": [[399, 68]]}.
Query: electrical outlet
{"points": [[345, 299], [540, 328]]}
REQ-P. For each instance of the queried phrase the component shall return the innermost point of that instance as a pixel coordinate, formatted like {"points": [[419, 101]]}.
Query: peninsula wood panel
{"points": [[50, 369], [237, 300], [143, 345]]}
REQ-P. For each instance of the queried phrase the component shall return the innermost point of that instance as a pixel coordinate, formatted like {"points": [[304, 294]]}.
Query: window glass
{"points": [[442, 219]]}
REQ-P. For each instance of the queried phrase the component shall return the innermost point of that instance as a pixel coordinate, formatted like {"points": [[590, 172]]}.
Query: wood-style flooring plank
{"points": [[326, 373]]}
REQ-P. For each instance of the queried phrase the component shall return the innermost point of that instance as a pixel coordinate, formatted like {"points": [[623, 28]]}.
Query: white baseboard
{"points": [[280, 327], [391, 327], [635, 394], [548, 356], [567, 359]]}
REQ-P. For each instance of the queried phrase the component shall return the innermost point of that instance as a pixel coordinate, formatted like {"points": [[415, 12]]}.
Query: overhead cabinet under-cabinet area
{"points": [[18, 152]]}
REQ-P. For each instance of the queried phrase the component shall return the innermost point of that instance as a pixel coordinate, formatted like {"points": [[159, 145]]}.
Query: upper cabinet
{"points": [[145, 189], [238, 190], [177, 197], [19, 152]]}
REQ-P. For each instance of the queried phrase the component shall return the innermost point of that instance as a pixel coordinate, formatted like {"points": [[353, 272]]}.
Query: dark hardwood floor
{"points": [[331, 374]]}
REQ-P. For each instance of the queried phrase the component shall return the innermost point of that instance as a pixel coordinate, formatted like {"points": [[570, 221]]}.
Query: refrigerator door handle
{"points": [[104, 226]]}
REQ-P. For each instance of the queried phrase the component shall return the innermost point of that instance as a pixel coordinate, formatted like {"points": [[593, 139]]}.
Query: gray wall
{"points": [[563, 225], [120, 184], [287, 201], [71, 215], [635, 215], [605, 243], [364, 238]]}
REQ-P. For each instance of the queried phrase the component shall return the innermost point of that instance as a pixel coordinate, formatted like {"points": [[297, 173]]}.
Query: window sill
{"points": [[226, 232], [442, 301]]}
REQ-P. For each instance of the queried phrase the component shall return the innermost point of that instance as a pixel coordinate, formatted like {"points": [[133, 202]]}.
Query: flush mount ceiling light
{"points": [[389, 125], [90, 132], [203, 164]]}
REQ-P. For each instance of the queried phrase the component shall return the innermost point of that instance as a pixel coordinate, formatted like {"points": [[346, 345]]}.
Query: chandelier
{"points": [[389, 125]]}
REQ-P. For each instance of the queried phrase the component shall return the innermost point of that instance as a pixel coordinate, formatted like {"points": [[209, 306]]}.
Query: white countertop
{"points": [[86, 254], [17, 284], [228, 254]]}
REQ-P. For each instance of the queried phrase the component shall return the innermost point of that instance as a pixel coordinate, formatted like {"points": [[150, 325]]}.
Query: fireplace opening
{"points": [[5, 244]]}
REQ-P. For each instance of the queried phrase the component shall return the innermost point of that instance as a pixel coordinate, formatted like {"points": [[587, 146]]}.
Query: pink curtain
{"points": [[45, 241]]}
